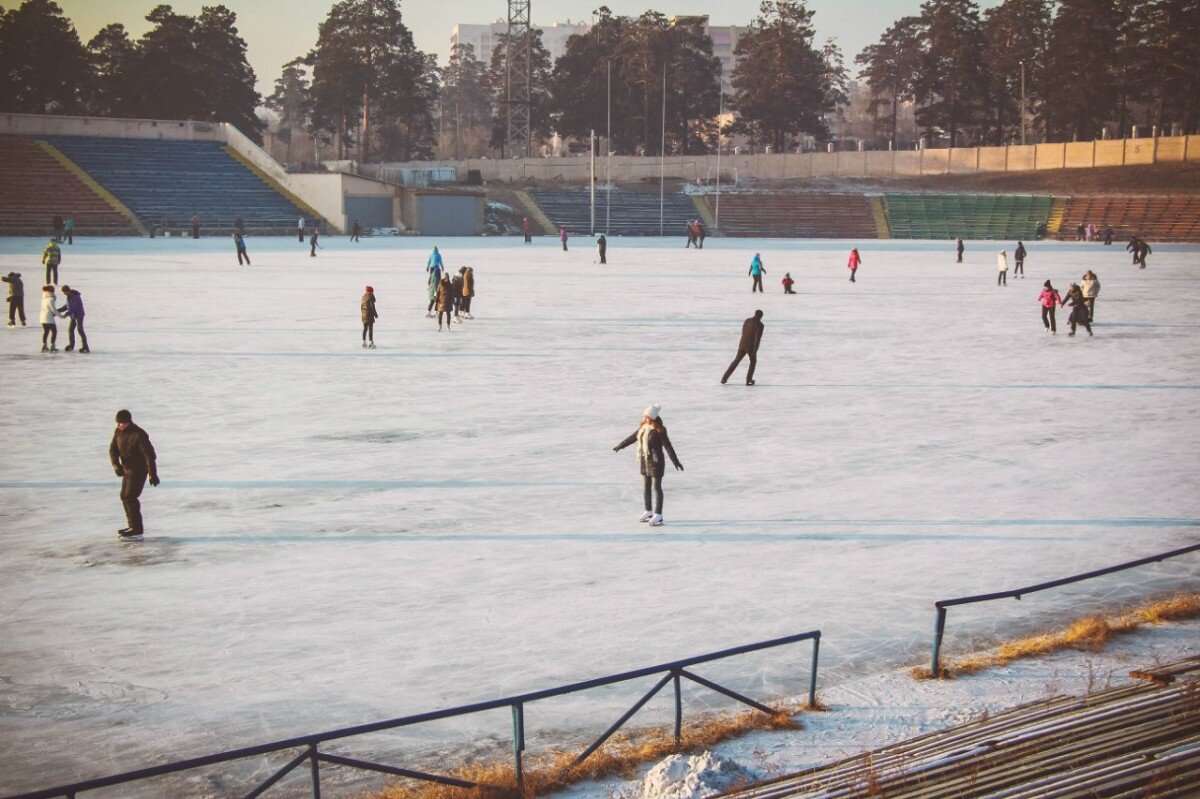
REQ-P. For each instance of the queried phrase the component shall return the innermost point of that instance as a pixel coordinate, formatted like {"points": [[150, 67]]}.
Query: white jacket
{"points": [[49, 314], [1002, 262], [1091, 288]]}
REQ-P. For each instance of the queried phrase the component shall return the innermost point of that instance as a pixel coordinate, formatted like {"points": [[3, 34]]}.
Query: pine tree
{"points": [[579, 85], [1078, 75], [464, 105], [113, 58], [539, 91], [952, 84], [292, 101], [890, 68], [1015, 34], [43, 65], [1163, 60]]}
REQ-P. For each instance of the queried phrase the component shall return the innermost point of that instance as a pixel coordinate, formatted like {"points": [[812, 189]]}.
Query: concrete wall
{"points": [[326, 193], [44, 125]]}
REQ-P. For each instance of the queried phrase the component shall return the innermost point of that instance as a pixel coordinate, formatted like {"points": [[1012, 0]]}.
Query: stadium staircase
{"points": [[1165, 218], [632, 213], [1138, 740], [968, 216], [35, 186], [164, 182], [796, 215], [1058, 210]]}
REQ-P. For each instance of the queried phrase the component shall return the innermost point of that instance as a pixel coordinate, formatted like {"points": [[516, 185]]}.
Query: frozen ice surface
{"points": [[344, 535]]}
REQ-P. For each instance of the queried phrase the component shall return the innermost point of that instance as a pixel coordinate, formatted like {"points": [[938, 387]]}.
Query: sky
{"points": [[278, 30]]}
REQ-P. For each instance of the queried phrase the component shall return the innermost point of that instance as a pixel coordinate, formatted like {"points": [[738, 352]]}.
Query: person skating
{"points": [[527, 230], [788, 283], [1142, 251], [602, 247], [240, 244], [74, 311], [195, 226], [240, 224], [313, 242], [69, 230], [134, 460], [57, 224], [701, 234], [757, 270], [1019, 260], [356, 232], [445, 301], [752, 331], [1002, 268], [960, 248], [16, 298], [562, 234], [48, 318], [369, 315], [1134, 245], [51, 258], [300, 230], [853, 263], [652, 440], [1049, 300], [468, 291], [434, 263], [1108, 235], [456, 295], [1079, 313], [432, 282], [690, 229], [1090, 286]]}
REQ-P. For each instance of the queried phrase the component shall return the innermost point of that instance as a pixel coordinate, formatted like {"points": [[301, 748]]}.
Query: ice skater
{"points": [[1142, 251], [16, 298], [1090, 284], [701, 234], [434, 263], [69, 230], [445, 302], [1002, 268], [960, 249], [369, 315], [300, 230], [788, 283], [1134, 246], [456, 295], [314, 243], [432, 283], [1019, 260], [757, 270], [602, 248], [1049, 300], [562, 234], [752, 331], [48, 318], [74, 311], [1079, 312], [690, 230], [133, 459], [652, 439], [240, 244], [852, 264], [356, 232], [468, 291], [195, 223], [527, 229], [51, 258]]}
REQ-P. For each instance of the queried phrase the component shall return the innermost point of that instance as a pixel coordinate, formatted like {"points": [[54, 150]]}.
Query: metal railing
{"points": [[674, 672], [939, 627]]}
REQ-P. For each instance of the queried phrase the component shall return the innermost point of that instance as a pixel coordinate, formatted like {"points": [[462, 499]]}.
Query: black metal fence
{"points": [[939, 627], [670, 673]]}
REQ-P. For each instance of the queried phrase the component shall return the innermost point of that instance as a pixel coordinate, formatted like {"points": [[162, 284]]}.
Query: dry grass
{"points": [[621, 755], [1089, 634]]}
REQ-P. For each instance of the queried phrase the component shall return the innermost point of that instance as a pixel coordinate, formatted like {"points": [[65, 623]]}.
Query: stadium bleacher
{"points": [[968, 216], [165, 182], [795, 215], [1162, 218], [34, 187], [630, 213]]}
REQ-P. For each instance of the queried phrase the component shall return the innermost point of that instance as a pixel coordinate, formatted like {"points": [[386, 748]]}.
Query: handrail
{"points": [[939, 627], [674, 671]]}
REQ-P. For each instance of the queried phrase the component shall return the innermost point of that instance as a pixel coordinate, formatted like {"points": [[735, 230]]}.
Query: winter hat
{"points": [[124, 416], [48, 288], [370, 290], [652, 411], [1046, 284]]}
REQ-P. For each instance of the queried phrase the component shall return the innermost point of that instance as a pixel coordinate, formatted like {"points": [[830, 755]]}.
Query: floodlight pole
{"points": [[662, 154], [592, 176], [720, 114], [608, 154], [1022, 101]]}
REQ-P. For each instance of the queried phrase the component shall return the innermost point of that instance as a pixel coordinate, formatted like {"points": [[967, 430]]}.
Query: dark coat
{"points": [[1079, 311], [456, 286], [1020, 253], [131, 450], [16, 289], [369, 314], [653, 464], [602, 243], [74, 306], [752, 331], [445, 296]]}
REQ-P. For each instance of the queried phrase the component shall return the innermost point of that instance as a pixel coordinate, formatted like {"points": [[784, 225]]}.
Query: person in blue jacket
{"points": [[434, 262], [74, 310], [240, 243], [757, 271]]}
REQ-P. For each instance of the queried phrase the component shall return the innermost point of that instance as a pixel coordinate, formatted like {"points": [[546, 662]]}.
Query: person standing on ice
{"points": [[757, 270], [788, 283], [445, 302], [690, 229], [300, 230], [1002, 268], [1079, 312], [434, 280], [468, 291], [74, 310], [48, 317], [356, 231], [369, 315], [456, 295], [960, 249], [1090, 285], [1134, 246], [562, 234], [1019, 260], [52, 257], [701, 235], [852, 264], [69, 230], [652, 439], [752, 331], [527, 229], [16, 298], [1049, 300], [1142, 251], [133, 459], [240, 244], [435, 262], [602, 247], [195, 226]]}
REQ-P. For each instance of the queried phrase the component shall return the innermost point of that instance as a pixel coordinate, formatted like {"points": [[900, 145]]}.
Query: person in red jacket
{"points": [[562, 234], [1049, 300], [788, 283], [852, 264], [527, 229]]}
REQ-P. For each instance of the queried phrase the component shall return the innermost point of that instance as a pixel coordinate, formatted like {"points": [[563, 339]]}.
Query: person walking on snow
{"points": [[752, 331], [527, 229], [652, 440], [757, 270], [1079, 313], [74, 310], [562, 234], [852, 264], [133, 459], [16, 298], [313, 242], [1049, 300], [468, 291], [1090, 286], [960, 249], [1019, 260], [369, 315], [48, 317], [240, 244], [52, 257], [788, 283], [1002, 267]]}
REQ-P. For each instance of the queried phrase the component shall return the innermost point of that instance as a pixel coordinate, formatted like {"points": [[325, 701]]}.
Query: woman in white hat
{"points": [[651, 437]]}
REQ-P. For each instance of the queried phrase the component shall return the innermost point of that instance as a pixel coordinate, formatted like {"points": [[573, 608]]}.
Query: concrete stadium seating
{"points": [[795, 215], [969, 216], [34, 187], [631, 213], [165, 182], [1167, 218]]}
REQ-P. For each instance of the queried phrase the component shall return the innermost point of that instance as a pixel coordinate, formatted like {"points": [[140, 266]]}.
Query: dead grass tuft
{"points": [[621, 756]]}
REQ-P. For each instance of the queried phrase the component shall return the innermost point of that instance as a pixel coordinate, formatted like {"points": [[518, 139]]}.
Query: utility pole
{"points": [[608, 155], [518, 55], [1022, 101], [720, 115], [592, 176], [662, 154]]}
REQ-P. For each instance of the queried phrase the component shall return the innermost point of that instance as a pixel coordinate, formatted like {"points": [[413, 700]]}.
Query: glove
{"points": [[120, 472], [154, 480], [616, 449], [679, 467]]}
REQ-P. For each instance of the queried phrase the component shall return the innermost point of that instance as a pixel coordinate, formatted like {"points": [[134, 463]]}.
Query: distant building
{"points": [[485, 37]]}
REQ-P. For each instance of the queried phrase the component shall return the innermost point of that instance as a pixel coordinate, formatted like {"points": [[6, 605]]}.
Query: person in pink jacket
{"points": [[562, 234], [852, 264], [1049, 300]]}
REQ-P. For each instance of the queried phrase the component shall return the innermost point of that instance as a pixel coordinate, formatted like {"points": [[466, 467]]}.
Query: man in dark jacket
{"points": [[74, 309], [16, 298], [133, 460], [1019, 258], [602, 246], [752, 330], [959, 248]]}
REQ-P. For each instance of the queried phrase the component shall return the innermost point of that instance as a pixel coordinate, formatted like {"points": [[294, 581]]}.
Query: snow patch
{"points": [[695, 777]]}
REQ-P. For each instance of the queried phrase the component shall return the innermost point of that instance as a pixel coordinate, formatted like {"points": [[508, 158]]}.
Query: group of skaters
{"points": [[696, 234], [757, 270], [52, 308], [1090, 232], [449, 296], [1080, 296], [64, 229]]}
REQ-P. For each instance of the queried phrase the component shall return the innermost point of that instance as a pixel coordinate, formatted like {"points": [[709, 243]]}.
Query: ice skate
{"points": [[53, 348], [429, 315], [364, 346], [85, 349], [647, 516], [749, 382], [45, 348], [68, 348], [656, 520], [371, 346], [11, 324], [128, 532]]}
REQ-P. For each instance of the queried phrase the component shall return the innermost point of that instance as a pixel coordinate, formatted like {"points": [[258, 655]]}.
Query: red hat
{"points": [[370, 290]]}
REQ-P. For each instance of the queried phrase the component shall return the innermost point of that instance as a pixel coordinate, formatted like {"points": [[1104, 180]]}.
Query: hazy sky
{"points": [[278, 30]]}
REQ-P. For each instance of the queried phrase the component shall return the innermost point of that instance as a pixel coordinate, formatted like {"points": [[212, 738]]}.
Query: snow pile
{"points": [[695, 777]]}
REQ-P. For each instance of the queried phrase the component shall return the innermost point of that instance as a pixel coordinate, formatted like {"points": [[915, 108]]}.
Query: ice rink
{"points": [[344, 535]]}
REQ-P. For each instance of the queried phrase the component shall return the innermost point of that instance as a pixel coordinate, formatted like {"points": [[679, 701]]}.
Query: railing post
{"points": [[678, 708], [812, 681], [316, 770], [939, 629], [518, 713]]}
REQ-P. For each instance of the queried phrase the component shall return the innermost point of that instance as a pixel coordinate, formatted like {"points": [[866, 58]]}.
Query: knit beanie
{"points": [[652, 411], [1046, 284], [124, 416], [370, 290]]}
